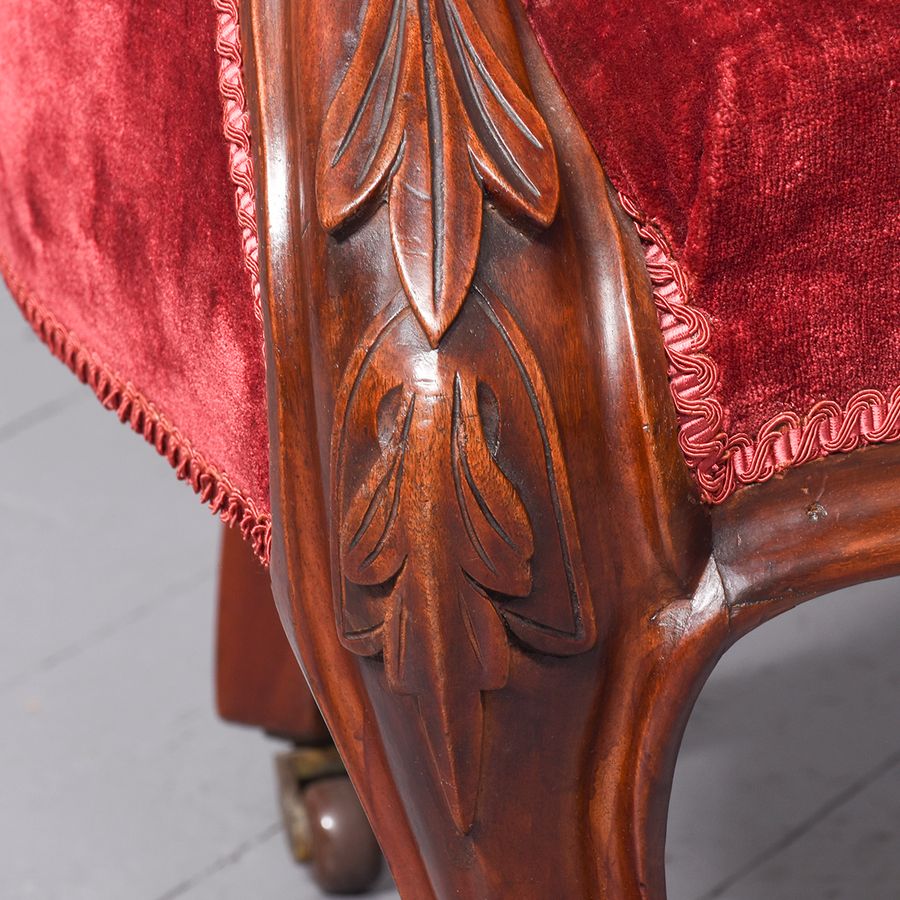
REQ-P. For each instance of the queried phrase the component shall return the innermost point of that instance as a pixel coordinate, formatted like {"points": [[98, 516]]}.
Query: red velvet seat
{"points": [[758, 144], [755, 147]]}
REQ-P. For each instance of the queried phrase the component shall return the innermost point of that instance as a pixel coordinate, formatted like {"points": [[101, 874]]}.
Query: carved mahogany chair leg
{"points": [[654, 680], [487, 549]]}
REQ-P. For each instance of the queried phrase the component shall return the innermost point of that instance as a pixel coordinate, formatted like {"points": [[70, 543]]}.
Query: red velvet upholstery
{"points": [[117, 216], [761, 139], [755, 144]]}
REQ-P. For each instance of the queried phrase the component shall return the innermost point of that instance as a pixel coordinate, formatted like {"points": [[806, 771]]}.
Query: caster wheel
{"points": [[346, 857], [324, 822]]}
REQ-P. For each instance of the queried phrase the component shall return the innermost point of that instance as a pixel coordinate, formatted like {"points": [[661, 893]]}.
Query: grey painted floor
{"points": [[117, 782]]}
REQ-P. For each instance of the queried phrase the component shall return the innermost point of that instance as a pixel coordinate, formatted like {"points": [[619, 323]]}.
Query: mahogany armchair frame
{"points": [[488, 552]]}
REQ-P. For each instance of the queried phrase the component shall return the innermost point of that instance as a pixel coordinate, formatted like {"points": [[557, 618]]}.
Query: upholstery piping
{"points": [[236, 122], [122, 397], [723, 463]]}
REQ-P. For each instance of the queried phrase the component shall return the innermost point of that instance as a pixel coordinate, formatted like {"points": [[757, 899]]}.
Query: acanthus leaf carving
{"points": [[436, 558], [445, 450], [428, 116]]}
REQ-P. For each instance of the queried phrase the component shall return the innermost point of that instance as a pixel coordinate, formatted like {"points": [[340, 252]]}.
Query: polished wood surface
{"points": [[488, 551], [428, 119], [258, 681], [824, 526]]}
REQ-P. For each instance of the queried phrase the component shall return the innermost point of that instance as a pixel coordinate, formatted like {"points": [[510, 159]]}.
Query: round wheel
{"points": [[346, 858]]}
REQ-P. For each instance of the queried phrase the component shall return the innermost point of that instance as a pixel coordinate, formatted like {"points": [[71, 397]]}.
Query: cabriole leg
{"points": [[487, 549]]}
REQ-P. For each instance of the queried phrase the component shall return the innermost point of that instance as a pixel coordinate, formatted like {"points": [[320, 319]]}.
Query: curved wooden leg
{"points": [[258, 682], [654, 681], [487, 549]]}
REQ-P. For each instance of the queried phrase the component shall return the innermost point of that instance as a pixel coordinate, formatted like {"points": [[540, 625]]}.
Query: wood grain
{"points": [[812, 530], [487, 549]]}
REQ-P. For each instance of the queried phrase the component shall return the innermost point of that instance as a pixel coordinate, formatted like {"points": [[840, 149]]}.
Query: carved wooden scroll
{"points": [[445, 447]]}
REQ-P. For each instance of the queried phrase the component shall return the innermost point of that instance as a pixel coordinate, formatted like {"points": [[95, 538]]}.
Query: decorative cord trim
{"points": [[122, 397], [236, 126], [723, 463], [236, 123]]}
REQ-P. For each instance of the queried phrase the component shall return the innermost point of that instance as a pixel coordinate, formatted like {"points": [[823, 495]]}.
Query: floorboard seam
{"points": [[36, 415], [223, 862], [103, 632]]}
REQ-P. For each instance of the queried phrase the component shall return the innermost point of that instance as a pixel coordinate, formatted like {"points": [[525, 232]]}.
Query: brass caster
{"points": [[324, 822]]}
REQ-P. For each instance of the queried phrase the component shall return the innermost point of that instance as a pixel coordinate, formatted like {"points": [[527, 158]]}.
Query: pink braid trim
{"points": [[723, 463], [236, 121]]}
